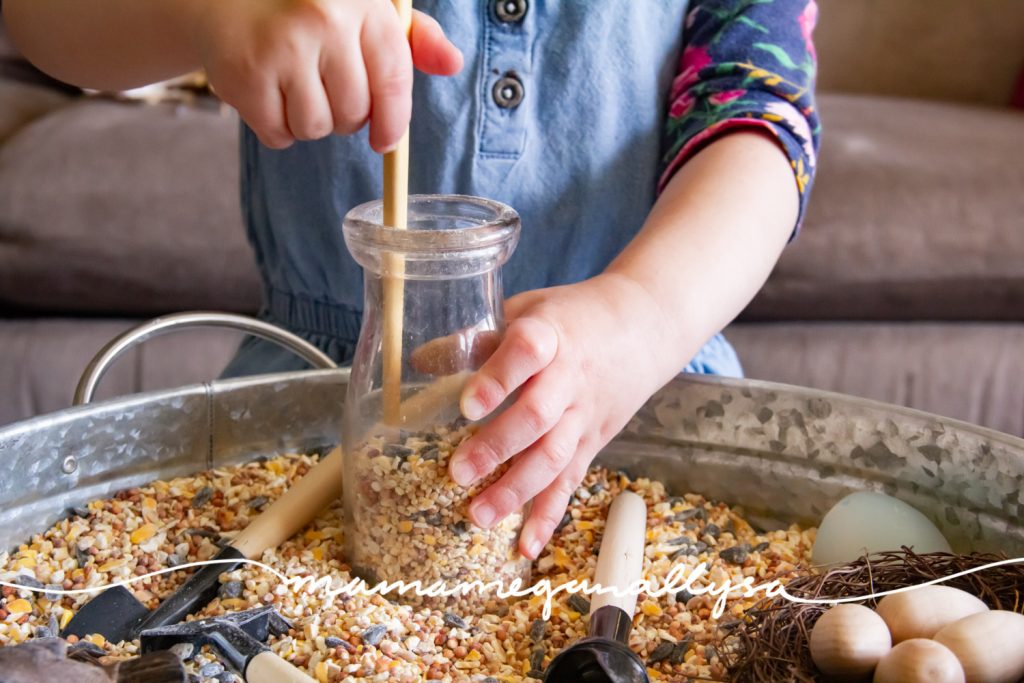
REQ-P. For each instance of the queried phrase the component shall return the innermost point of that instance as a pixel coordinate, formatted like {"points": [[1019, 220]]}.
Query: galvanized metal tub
{"points": [[783, 453]]}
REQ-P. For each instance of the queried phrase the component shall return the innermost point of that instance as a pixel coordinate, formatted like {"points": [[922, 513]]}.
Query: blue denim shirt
{"points": [[558, 112]]}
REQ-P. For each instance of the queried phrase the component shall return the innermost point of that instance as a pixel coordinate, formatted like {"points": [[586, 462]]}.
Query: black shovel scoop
{"points": [[604, 656], [118, 615]]}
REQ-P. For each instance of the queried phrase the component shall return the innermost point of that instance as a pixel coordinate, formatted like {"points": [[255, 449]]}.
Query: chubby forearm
{"points": [[711, 241], [105, 44]]}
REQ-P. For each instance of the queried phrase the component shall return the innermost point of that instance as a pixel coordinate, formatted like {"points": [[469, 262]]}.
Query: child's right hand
{"points": [[303, 69]]}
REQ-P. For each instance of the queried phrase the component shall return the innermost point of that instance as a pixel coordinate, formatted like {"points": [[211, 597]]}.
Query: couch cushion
{"points": [[125, 208], [917, 213], [972, 372]]}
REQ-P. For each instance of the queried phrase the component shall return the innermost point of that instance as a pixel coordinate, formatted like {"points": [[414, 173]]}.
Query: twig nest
{"points": [[848, 641], [921, 612], [989, 645], [919, 661]]}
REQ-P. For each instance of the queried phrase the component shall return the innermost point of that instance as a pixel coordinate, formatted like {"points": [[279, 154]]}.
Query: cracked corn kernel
{"points": [[65, 618], [143, 533], [19, 606], [651, 609], [405, 526]]}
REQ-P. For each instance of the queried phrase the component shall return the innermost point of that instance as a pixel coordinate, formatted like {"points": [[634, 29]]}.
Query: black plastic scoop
{"points": [[604, 655], [238, 638]]}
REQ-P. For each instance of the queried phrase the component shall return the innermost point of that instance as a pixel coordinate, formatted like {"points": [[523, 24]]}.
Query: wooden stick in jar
{"points": [[396, 212]]}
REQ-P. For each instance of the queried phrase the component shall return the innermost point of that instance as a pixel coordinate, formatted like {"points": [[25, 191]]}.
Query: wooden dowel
{"points": [[396, 213]]}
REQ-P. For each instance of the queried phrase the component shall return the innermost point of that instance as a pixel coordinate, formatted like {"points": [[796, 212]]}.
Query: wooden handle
{"points": [[293, 510], [267, 667], [396, 215], [620, 561]]}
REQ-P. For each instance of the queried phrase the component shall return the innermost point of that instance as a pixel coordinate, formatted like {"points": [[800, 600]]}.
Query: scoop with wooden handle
{"points": [[604, 655], [117, 615]]}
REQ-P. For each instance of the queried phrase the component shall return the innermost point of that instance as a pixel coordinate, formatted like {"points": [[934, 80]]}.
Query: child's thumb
{"points": [[432, 52]]}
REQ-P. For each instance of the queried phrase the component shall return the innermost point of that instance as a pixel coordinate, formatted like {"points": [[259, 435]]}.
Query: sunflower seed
{"points": [[537, 630], [661, 653], [257, 502], [579, 603], [374, 634], [537, 658], [454, 620], [202, 497], [231, 589]]}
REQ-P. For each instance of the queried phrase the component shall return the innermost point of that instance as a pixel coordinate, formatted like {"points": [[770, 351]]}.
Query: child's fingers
{"points": [[535, 412], [262, 108], [432, 52], [306, 105], [530, 474], [549, 506], [389, 71], [529, 346], [348, 91]]}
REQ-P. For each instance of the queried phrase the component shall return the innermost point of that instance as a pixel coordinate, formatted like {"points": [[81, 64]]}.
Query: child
{"points": [[643, 235]]}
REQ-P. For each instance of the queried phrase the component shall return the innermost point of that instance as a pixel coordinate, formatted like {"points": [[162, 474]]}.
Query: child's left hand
{"points": [[584, 357]]}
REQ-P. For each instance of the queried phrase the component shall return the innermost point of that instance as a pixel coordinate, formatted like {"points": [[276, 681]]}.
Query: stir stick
{"points": [[396, 211]]}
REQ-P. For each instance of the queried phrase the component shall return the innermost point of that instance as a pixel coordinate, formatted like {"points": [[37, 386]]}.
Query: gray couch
{"points": [[906, 285]]}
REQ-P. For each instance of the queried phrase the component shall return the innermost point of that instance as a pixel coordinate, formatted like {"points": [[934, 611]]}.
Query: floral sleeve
{"points": [[746, 63]]}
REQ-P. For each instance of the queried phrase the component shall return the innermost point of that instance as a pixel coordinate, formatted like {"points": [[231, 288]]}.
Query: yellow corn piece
{"points": [[25, 563], [143, 533], [321, 672], [583, 524], [405, 526], [65, 618], [313, 535], [318, 553], [19, 606], [97, 640], [561, 558], [650, 608], [149, 503]]}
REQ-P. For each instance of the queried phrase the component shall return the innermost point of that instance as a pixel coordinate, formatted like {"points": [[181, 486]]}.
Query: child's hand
{"points": [[303, 69], [584, 357]]}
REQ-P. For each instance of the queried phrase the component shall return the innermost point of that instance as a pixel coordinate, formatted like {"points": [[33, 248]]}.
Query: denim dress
{"points": [[559, 112]]}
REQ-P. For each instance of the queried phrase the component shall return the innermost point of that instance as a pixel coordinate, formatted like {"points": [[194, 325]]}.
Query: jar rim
{"points": [[490, 224]]}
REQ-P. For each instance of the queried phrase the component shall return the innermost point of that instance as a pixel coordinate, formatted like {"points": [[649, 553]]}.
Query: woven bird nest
{"points": [[773, 645]]}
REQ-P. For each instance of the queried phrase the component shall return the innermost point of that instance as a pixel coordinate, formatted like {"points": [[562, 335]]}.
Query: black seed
{"points": [[661, 653], [212, 669], [565, 520], [374, 634], [202, 497], [396, 451], [82, 557], [712, 530], [579, 603], [710, 652], [537, 630], [700, 546], [53, 625], [684, 596], [433, 519], [79, 511], [51, 593], [431, 454], [27, 581], [680, 540], [685, 515], [460, 527], [730, 625], [88, 648], [596, 488], [333, 642], [257, 502], [535, 673], [537, 658], [761, 547], [736, 554], [43, 632], [679, 651], [688, 551], [231, 589], [203, 533], [454, 620]]}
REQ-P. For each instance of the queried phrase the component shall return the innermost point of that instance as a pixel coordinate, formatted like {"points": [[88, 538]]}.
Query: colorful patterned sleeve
{"points": [[746, 63]]}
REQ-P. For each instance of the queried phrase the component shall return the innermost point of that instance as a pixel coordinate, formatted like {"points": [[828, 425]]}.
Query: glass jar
{"points": [[406, 519]]}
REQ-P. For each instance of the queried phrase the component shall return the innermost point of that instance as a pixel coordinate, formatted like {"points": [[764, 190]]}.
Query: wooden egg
{"points": [[919, 661], [847, 642], [989, 645], [921, 612]]}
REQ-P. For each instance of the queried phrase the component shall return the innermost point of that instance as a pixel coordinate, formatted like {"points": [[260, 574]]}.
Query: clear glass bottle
{"points": [[406, 519]]}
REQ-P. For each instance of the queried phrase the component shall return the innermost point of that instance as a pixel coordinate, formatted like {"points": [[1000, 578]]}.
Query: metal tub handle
{"points": [[102, 361]]}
